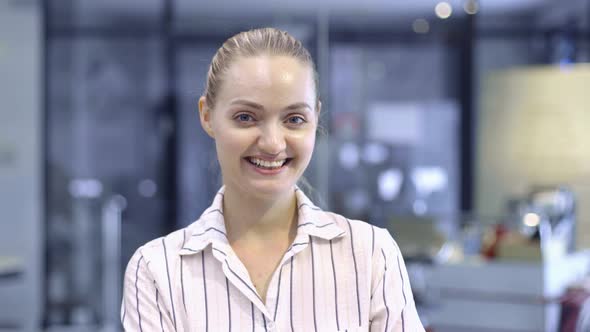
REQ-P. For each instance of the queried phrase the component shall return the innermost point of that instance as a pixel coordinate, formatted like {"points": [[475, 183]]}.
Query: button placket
{"points": [[238, 276], [300, 243]]}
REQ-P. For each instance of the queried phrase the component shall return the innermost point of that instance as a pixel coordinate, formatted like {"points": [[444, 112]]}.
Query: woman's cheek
{"points": [[241, 139]]}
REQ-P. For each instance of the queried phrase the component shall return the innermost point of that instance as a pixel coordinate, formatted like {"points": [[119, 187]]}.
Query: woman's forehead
{"points": [[268, 76], [265, 69]]}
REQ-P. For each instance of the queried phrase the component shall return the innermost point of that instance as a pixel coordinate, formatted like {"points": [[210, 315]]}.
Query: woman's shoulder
{"points": [[360, 230], [353, 226], [164, 246], [364, 233]]}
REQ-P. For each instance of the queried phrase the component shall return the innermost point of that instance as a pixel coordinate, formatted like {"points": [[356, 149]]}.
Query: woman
{"points": [[263, 257]]}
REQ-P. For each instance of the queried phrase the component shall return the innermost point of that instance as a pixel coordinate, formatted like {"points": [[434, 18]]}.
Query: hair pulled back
{"points": [[256, 42]]}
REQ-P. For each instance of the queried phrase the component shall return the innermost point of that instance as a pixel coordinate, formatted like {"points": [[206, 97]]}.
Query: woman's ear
{"points": [[205, 116]]}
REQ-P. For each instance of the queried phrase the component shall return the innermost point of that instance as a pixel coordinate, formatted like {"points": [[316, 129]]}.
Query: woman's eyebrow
{"points": [[247, 103], [298, 106], [257, 106]]}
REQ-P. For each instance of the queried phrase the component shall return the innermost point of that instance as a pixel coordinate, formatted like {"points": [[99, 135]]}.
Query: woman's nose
{"points": [[272, 140]]}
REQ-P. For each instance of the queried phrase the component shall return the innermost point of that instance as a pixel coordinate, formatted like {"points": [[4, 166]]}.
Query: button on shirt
{"points": [[337, 275]]}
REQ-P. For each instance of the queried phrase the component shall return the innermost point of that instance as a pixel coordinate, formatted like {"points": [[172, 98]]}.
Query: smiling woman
{"points": [[263, 256]]}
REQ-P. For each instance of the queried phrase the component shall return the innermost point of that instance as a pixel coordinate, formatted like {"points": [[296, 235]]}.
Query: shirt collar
{"points": [[210, 227], [315, 221]]}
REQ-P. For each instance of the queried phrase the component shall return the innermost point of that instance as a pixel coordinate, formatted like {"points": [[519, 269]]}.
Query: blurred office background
{"points": [[461, 126]]}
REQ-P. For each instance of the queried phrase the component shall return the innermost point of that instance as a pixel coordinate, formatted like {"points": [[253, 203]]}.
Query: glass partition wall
{"points": [[111, 154]]}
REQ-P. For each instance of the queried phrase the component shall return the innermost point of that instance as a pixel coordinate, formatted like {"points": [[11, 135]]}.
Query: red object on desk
{"points": [[499, 232], [571, 309]]}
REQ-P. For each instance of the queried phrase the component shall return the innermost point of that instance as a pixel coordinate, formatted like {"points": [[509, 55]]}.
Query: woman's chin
{"points": [[268, 189]]}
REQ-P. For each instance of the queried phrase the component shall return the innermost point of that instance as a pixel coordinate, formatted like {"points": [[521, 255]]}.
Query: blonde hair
{"points": [[264, 41]]}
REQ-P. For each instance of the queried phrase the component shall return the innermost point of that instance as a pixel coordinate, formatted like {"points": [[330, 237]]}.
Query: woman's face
{"points": [[263, 123]]}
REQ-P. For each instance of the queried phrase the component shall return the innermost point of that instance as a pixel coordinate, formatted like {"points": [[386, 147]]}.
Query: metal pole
{"points": [[111, 255]]}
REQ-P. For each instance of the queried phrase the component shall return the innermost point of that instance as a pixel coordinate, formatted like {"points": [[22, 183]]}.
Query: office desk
{"points": [[501, 296]]}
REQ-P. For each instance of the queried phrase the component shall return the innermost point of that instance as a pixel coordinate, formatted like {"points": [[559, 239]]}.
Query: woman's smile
{"points": [[268, 167]]}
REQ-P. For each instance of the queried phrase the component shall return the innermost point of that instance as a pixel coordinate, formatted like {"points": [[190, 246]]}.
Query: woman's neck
{"points": [[250, 219]]}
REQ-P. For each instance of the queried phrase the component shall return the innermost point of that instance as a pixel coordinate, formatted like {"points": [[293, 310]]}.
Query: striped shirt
{"points": [[337, 275]]}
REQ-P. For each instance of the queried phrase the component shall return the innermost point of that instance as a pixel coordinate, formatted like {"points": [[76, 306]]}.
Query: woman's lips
{"points": [[267, 167]]}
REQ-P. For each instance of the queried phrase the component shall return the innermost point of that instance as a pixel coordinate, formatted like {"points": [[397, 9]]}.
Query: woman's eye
{"points": [[296, 120], [244, 118]]}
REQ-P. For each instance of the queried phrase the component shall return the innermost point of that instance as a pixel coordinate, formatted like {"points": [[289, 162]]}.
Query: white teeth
{"points": [[267, 164]]}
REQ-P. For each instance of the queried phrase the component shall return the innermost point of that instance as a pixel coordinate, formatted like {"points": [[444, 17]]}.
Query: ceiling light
{"points": [[532, 219], [443, 10], [471, 7]]}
